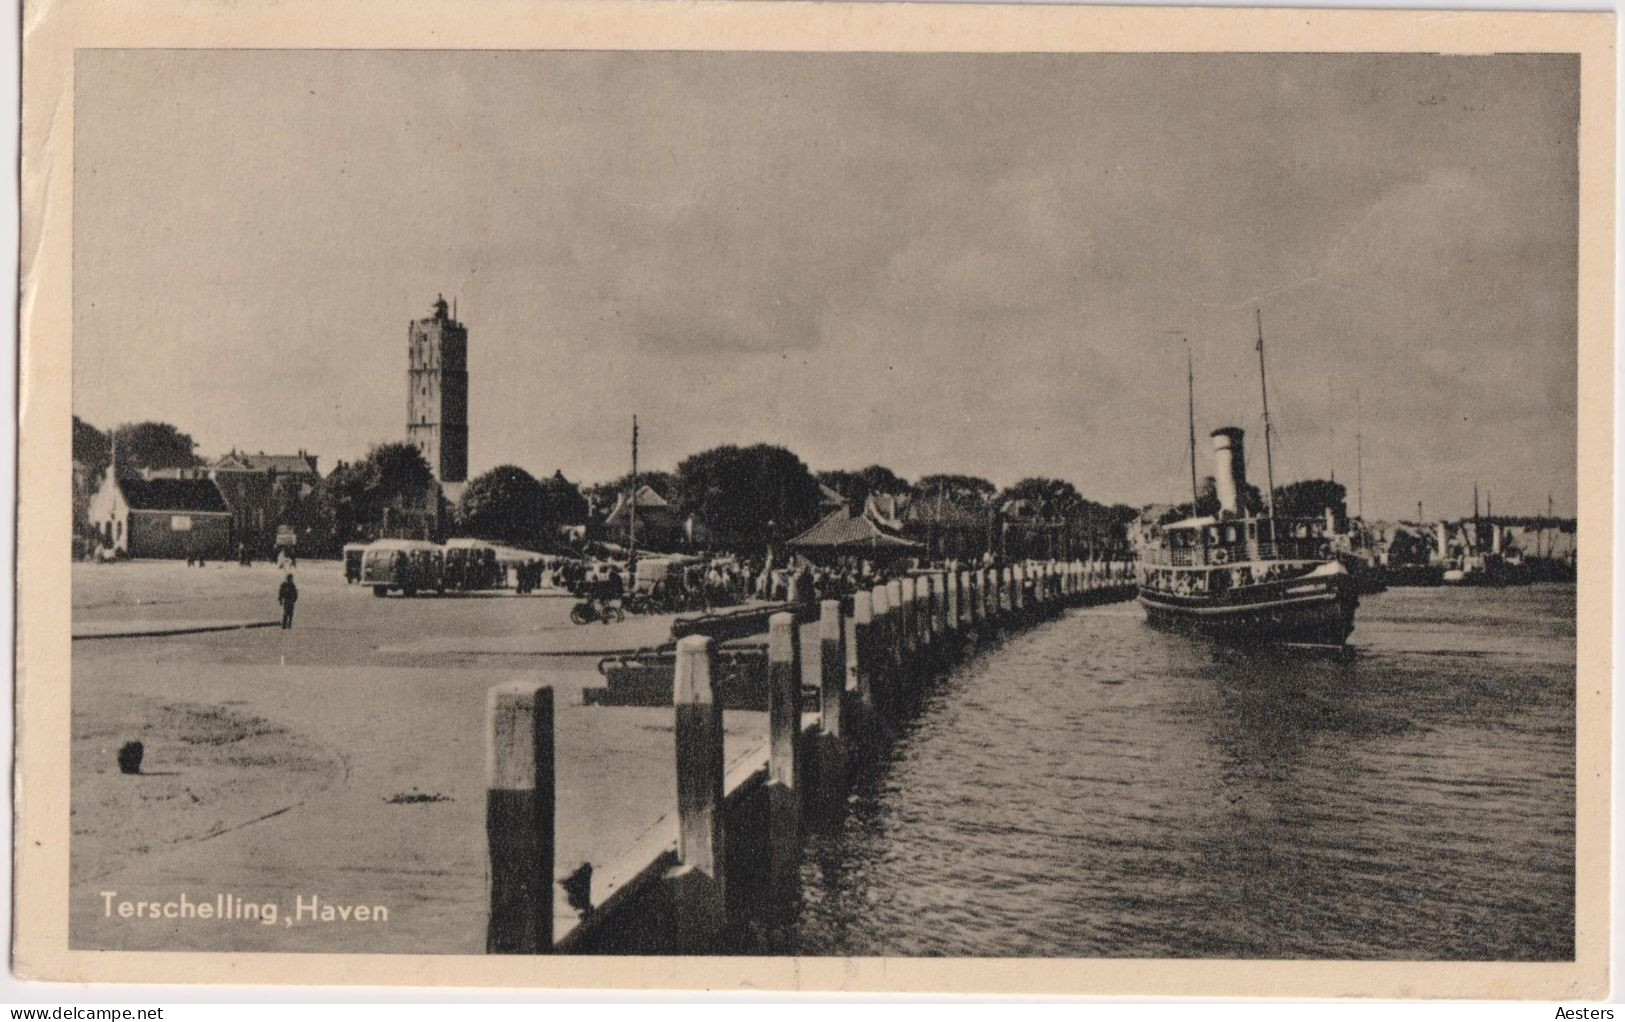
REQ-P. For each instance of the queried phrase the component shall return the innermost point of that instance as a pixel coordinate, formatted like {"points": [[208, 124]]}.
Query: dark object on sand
{"points": [[129, 757], [578, 888], [415, 797]]}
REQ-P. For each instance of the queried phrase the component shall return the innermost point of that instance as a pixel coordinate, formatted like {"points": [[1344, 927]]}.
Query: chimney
{"points": [[1229, 468]]}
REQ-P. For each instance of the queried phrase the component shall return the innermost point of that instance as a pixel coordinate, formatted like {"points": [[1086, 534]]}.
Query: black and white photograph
{"points": [[867, 504]]}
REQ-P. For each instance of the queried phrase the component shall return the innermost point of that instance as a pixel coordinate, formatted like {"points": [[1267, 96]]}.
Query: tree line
{"points": [[746, 496]]}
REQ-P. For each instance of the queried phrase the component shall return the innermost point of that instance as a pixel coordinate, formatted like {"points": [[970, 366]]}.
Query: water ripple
{"points": [[1094, 788]]}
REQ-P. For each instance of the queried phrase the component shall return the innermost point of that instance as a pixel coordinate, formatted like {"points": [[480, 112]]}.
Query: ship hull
{"points": [[1320, 612]]}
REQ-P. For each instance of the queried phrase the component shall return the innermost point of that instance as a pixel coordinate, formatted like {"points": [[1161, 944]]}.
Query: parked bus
{"points": [[473, 564], [352, 561], [408, 565]]}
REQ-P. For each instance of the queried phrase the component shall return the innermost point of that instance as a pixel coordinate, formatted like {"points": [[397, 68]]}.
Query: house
{"points": [[299, 465], [658, 524], [160, 517], [259, 489]]}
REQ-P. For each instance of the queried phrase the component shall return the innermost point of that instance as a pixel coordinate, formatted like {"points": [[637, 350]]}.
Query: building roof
{"points": [[291, 464], [842, 530], [647, 501], [886, 508], [196, 496]]}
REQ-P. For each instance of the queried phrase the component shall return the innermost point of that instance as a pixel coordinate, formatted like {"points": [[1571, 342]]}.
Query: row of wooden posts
{"points": [[873, 662]]}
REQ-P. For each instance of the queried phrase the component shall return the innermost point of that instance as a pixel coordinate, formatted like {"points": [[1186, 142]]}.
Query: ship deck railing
{"points": [[1220, 554]]}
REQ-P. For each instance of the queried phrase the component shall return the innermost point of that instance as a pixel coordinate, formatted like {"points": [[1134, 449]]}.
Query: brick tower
{"points": [[437, 394]]}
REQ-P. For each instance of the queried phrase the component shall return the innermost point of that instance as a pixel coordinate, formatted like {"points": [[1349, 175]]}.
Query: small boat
{"points": [[1242, 576]]}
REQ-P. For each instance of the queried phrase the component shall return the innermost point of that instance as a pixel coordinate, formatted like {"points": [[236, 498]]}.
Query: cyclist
{"points": [[608, 591]]}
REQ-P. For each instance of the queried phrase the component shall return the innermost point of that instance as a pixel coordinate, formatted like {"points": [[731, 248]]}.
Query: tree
{"points": [[90, 447], [1047, 498], [860, 484], [1309, 498], [1122, 514], [1207, 503], [355, 496], [1251, 500], [748, 496], [399, 475], [957, 488], [507, 505], [154, 445], [312, 516], [339, 507], [564, 503]]}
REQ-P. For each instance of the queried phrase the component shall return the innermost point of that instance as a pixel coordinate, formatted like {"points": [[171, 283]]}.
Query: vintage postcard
{"points": [[1024, 499]]}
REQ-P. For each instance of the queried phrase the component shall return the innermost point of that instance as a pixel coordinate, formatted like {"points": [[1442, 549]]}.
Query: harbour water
{"points": [[1095, 788]]}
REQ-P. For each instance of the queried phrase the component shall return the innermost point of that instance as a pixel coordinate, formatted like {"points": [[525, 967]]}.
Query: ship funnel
{"points": [[1229, 468]]}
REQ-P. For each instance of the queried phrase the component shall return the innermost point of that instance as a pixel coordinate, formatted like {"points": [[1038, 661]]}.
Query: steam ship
{"points": [[1241, 577]]}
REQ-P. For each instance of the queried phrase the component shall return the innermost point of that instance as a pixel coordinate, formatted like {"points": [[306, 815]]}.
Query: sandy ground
{"points": [[340, 763]]}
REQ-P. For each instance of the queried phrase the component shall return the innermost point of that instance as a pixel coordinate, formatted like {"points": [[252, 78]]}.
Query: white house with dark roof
{"points": [[161, 517]]}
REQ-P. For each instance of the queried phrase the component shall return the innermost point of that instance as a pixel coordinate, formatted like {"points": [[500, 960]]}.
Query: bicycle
{"points": [[594, 609]]}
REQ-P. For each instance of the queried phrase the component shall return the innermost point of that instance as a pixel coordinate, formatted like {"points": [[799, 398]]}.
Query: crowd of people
{"points": [[657, 583]]}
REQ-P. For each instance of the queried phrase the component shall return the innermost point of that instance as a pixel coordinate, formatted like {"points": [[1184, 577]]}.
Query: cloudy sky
{"points": [[962, 263]]}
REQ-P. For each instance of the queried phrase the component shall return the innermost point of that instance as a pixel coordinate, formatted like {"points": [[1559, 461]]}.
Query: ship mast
{"points": [[1264, 390], [632, 507], [1359, 462], [1190, 388]]}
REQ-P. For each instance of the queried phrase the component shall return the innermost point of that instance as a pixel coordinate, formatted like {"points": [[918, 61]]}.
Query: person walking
{"points": [[287, 595]]}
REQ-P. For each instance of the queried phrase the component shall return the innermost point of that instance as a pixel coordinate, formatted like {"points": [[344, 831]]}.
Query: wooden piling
{"points": [[784, 749], [908, 661], [832, 689], [928, 614], [895, 658], [951, 582], [519, 818], [894, 598], [784, 700], [698, 884], [860, 655], [858, 633], [907, 606], [832, 657]]}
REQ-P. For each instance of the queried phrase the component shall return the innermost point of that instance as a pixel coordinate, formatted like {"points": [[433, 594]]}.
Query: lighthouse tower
{"points": [[437, 393]]}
